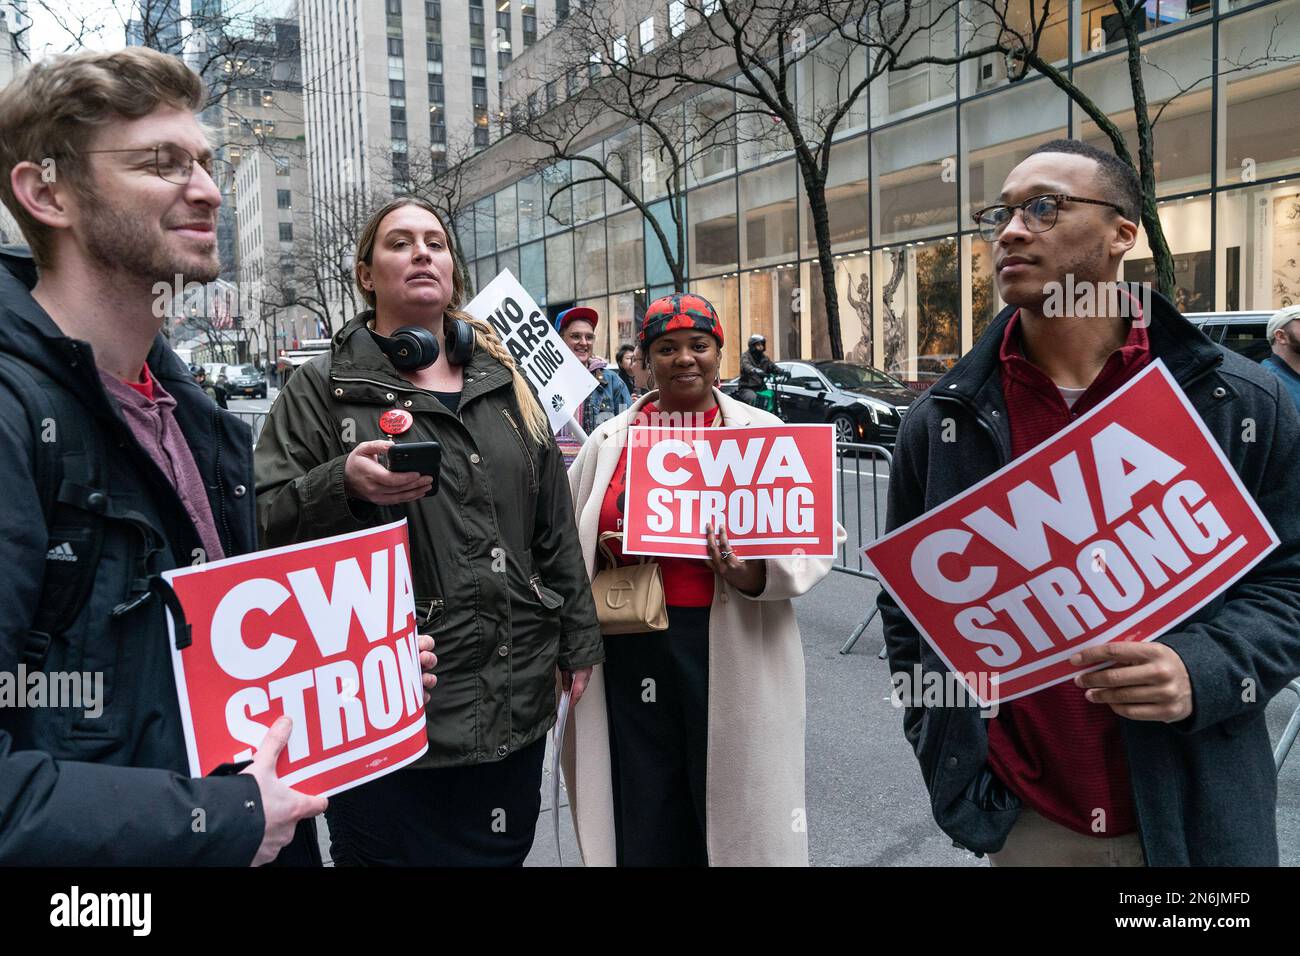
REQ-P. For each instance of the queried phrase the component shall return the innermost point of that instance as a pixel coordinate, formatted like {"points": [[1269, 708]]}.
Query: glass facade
{"points": [[915, 157]]}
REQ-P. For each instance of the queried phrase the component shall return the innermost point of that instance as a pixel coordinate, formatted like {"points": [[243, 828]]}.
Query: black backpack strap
{"points": [[69, 477]]}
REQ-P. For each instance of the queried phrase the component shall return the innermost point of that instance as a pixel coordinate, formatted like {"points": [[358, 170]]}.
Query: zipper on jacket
{"points": [[221, 484], [387, 385], [519, 437]]}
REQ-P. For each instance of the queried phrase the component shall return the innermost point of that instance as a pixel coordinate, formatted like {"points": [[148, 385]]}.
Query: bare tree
{"points": [[611, 100]]}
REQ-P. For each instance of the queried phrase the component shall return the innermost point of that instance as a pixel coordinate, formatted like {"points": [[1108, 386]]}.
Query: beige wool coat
{"points": [[754, 807]]}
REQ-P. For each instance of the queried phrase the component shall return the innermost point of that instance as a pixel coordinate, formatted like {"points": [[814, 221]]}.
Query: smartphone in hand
{"points": [[424, 457]]}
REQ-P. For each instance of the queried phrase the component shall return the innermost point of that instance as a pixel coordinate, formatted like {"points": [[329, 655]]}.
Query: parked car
{"points": [[245, 380], [863, 403], [929, 369], [1243, 332]]}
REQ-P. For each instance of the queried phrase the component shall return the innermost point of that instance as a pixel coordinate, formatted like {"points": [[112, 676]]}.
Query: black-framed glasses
{"points": [[1038, 213], [175, 164]]}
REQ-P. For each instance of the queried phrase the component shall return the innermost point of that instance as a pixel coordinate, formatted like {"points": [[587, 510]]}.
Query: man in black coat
{"points": [[1170, 741], [109, 215]]}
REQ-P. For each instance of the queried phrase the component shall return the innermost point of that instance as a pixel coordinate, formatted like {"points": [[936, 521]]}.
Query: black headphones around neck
{"points": [[413, 347]]}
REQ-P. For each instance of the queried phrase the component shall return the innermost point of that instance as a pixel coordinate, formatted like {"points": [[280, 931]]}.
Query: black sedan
{"points": [[864, 404], [245, 380]]}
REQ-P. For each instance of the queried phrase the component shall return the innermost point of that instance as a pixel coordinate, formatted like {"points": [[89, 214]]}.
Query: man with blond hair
{"points": [[105, 435]]}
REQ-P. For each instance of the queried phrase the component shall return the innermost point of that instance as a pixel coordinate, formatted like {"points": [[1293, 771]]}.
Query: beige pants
{"points": [[1037, 841]]}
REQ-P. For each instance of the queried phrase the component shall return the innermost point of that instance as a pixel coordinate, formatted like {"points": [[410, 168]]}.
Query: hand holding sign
{"points": [[1146, 681], [748, 577], [282, 807]]}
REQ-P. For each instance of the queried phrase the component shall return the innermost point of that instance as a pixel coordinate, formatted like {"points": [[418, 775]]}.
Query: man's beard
{"points": [[122, 243], [1086, 266], [1293, 344]]}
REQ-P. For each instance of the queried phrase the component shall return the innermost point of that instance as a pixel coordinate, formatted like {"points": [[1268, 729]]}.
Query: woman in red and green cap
{"points": [[688, 747]]}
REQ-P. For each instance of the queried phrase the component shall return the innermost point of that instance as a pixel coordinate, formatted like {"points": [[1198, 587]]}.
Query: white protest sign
{"points": [[561, 380]]}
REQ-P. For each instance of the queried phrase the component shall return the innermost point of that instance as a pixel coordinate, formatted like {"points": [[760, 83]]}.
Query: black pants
{"points": [[480, 815], [657, 694]]}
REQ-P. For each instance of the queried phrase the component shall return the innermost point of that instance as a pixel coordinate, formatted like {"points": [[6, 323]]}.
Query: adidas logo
{"points": [[61, 552]]}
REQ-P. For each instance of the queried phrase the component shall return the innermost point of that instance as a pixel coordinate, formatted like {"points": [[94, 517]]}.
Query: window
{"points": [[437, 93], [480, 98], [530, 30], [572, 82], [432, 51], [911, 196], [710, 7], [646, 34], [503, 59], [480, 136], [437, 130], [477, 56], [283, 199], [561, 10], [395, 46], [593, 67], [432, 10], [476, 23], [268, 98], [767, 234], [286, 232], [396, 90], [620, 49], [507, 215], [550, 95], [589, 249], [281, 166], [677, 17], [393, 7]]}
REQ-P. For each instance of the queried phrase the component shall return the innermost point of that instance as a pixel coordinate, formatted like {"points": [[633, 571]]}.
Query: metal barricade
{"points": [[255, 419], [862, 480], [1289, 734]]}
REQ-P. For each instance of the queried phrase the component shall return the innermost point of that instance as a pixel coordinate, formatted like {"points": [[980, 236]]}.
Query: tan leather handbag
{"points": [[629, 599]]}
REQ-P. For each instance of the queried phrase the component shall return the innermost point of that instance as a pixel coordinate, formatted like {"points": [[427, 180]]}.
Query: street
{"points": [[867, 805]]}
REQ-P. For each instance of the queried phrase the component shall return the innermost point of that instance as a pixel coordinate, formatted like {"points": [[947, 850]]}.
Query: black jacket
{"points": [[1204, 788], [498, 572], [753, 368], [112, 790]]}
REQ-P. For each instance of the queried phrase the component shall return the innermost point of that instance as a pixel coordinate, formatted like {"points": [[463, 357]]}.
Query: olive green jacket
{"points": [[499, 578]]}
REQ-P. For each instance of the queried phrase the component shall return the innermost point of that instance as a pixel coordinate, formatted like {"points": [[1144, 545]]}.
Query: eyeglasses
{"points": [[1038, 213], [174, 164]]}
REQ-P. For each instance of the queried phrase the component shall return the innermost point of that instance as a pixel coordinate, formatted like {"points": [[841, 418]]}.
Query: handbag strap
{"points": [[602, 543]]}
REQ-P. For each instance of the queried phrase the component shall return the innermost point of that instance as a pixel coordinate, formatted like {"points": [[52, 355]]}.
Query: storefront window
{"points": [[826, 77], [623, 159], [485, 272], [984, 301], [711, 130], [589, 188], [915, 178], [464, 229], [509, 260], [1259, 128], [769, 297], [530, 208], [919, 304], [899, 92], [1186, 225], [485, 226], [711, 222], [853, 288], [626, 251], [625, 312], [559, 268], [656, 263], [723, 294], [1100, 27], [983, 25], [1182, 130], [559, 199], [659, 160], [532, 270], [1258, 247], [507, 221], [589, 249], [999, 131], [767, 233], [848, 199]]}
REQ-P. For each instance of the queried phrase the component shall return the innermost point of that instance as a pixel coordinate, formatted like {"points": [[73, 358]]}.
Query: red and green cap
{"points": [[682, 310]]}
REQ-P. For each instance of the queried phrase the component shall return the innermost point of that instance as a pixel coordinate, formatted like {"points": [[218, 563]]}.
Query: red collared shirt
{"points": [[1061, 754]]}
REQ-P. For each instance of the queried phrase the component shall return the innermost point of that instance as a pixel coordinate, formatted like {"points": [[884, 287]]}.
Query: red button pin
{"points": [[395, 421]]}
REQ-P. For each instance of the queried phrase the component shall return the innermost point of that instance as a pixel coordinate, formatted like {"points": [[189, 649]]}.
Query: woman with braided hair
{"points": [[498, 573]]}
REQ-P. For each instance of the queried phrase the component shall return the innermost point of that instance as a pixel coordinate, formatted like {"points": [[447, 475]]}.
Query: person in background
{"points": [[215, 392], [710, 771], [1284, 336], [577, 327], [755, 366], [627, 359]]}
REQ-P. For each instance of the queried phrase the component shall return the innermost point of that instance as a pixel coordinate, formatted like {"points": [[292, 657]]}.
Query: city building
{"points": [[918, 154], [397, 90], [14, 53], [158, 26]]}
